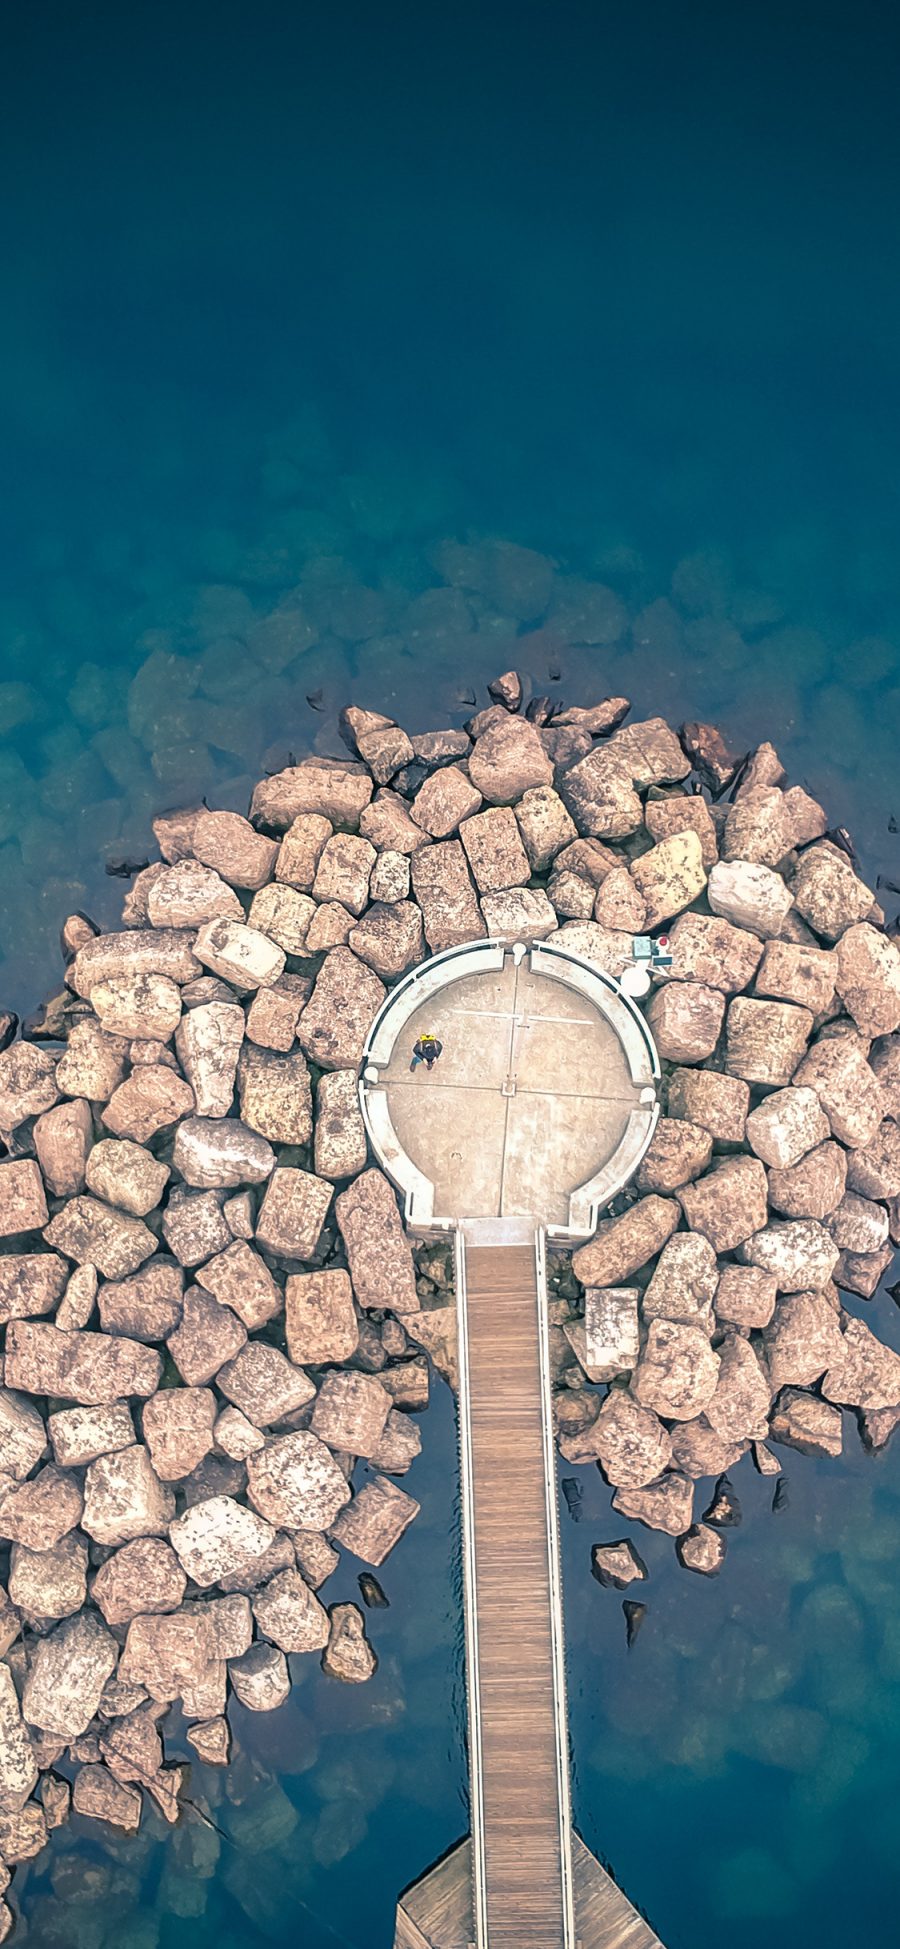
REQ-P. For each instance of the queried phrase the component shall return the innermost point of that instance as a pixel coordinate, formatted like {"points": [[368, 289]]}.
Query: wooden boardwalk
{"points": [[524, 1880], [517, 1619]]}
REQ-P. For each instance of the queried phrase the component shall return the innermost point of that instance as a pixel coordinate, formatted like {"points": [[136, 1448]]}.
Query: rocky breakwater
{"points": [[706, 1320], [212, 1356], [216, 1333]]}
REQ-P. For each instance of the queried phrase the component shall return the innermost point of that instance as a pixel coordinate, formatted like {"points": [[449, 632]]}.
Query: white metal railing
{"points": [[470, 1595], [560, 1709]]}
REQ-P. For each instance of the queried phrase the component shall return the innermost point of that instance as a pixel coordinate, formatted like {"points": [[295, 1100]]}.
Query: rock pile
{"points": [[705, 1318], [211, 1310]]}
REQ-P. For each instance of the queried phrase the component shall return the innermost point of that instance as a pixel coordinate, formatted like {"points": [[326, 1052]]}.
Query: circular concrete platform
{"points": [[543, 1101]]}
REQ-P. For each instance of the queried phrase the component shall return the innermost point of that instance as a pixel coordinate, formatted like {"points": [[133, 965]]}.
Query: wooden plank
{"points": [[437, 1912], [520, 1789]]}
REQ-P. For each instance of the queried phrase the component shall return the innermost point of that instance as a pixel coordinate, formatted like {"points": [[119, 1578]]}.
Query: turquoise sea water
{"points": [[289, 299]]}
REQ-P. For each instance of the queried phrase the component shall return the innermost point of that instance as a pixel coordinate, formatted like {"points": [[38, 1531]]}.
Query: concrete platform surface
{"points": [[530, 1098]]}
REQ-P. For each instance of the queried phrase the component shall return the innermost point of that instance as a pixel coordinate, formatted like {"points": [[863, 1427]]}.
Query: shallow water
{"points": [[287, 301]]}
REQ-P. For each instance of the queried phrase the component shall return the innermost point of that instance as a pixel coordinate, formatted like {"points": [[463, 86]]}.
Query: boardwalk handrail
{"points": [[560, 1714], [470, 1605]]}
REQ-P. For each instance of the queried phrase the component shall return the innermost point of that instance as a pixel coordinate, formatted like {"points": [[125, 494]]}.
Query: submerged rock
{"points": [[701, 1549], [617, 1564], [348, 1654]]}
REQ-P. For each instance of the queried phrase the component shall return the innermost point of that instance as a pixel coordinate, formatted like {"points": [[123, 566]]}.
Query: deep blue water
{"points": [[288, 297]]}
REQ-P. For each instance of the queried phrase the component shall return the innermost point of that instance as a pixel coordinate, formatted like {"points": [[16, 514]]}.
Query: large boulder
{"points": [[338, 1016], [678, 1152], [445, 892], [151, 1099], [221, 1153], [92, 1233], [443, 801], [320, 1317], [93, 1368], [348, 1654], [337, 791], [28, 1083], [508, 760], [677, 1373], [23, 1204], [751, 896], [828, 893], [802, 1339], [79, 1435], [389, 938], [867, 1374], [139, 951], [765, 1040], [798, 1252], [228, 844], [812, 1187], [342, 875], [868, 979], [628, 1440], [728, 1204], [144, 1577], [275, 1095], [599, 793], [208, 1041], [145, 1306], [670, 876], [684, 1283], [145, 1005], [23, 1437], [264, 1385], [289, 1614], [292, 1213], [545, 826], [706, 948], [667, 1504], [350, 1413], [178, 1429], [803, 1422], [219, 1537], [786, 1125], [716, 1103], [31, 1283], [651, 752], [241, 955], [165, 1653], [621, 1246], [611, 1331], [239, 1278], [790, 972], [847, 1088], [375, 1520], [188, 894], [341, 1145], [123, 1498], [126, 1175], [260, 1678], [296, 1483], [67, 1674], [685, 1018], [739, 1408], [745, 1298], [62, 1140], [378, 1251], [208, 1334], [40, 1512]]}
